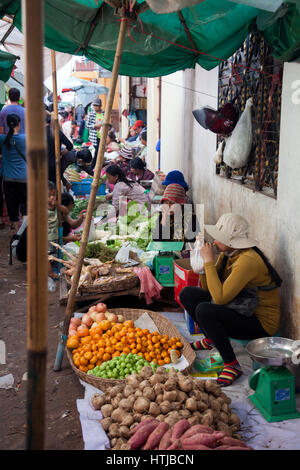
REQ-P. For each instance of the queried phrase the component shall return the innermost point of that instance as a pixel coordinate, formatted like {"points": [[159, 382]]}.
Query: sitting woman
{"points": [[175, 177], [123, 188], [175, 223], [240, 265], [138, 171], [111, 142]]}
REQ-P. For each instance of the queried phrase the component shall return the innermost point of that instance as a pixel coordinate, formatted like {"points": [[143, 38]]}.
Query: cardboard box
{"points": [[183, 276]]}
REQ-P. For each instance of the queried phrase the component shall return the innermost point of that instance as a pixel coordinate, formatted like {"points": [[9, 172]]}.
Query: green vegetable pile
{"points": [[121, 366], [81, 204], [137, 225], [101, 251]]}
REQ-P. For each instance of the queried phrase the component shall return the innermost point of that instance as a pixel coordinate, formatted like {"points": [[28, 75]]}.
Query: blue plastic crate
{"points": [[84, 188]]}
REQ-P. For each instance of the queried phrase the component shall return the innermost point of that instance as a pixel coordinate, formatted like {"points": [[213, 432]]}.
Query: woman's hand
{"points": [[207, 252]]}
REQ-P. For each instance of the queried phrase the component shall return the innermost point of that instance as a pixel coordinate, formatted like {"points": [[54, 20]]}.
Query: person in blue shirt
{"points": [[14, 171], [13, 108]]}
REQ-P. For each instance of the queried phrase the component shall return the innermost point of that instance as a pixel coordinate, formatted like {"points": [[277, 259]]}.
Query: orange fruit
{"points": [[86, 339], [73, 342], [83, 368], [88, 355], [126, 351], [179, 344], [167, 360], [129, 323], [161, 362], [83, 361], [94, 359], [106, 357]]}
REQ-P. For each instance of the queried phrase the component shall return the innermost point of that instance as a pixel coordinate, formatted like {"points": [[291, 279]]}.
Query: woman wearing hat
{"points": [[240, 265], [175, 177], [124, 158], [175, 223]]}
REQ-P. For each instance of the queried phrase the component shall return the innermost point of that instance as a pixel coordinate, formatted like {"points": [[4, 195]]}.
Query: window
{"points": [[253, 72]]}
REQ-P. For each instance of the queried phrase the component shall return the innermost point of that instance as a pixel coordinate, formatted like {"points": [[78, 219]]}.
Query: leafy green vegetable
{"points": [[101, 251]]}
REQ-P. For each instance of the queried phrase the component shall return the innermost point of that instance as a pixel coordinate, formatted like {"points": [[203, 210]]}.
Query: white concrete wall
{"points": [[172, 118], [275, 222], [153, 122], [124, 104]]}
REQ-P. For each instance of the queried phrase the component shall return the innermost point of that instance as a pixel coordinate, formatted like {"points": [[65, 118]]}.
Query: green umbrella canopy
{"points": [[7, 62], [160, 44]]}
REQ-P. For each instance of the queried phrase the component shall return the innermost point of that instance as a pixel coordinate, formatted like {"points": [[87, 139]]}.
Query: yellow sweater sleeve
{"points": [[243, 271], [203, 276]]}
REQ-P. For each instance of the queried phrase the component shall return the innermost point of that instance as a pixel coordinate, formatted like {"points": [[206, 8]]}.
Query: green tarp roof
{"points": [[7, 62], [157, 44]]}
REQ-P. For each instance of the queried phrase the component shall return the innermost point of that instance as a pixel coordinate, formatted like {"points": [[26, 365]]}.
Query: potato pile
{"points": [[167, 396]]}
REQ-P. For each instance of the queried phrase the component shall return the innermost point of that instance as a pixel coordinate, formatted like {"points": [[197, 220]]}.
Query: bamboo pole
{"points": [[93, 194], [56, 127], [37, 241], [56, 145]]}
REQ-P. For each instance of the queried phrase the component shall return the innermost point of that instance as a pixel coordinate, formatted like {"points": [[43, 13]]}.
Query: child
{"points": [[53, 223], [69, 223]]}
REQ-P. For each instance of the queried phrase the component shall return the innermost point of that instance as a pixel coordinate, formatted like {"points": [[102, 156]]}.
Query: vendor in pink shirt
{"points": [[123, 188]]}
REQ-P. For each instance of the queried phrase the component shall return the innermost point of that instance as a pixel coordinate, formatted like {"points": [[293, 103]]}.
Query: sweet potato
{"points": [[179, 428], [195, 447], [142, 423], [166, 440], [209, 440], [141, 435], [195, 430], [176, 445], [230, 441], [156, 435]]}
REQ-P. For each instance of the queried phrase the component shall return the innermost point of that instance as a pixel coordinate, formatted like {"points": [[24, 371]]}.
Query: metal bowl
{"points": [[272, 351]]}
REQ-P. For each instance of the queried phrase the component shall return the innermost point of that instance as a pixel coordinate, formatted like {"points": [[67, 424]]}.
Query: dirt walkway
{"points": [[63, 429]]}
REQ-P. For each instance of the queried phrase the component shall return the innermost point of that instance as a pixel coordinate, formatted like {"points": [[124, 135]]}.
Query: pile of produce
{"points": [[136, 225], [167, 397], [101, 336], [100, 251], [81, 204], [121, 367], [94, 271]]}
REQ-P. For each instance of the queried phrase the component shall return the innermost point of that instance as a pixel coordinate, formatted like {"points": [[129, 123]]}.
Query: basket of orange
{"points": [[102, 341]]}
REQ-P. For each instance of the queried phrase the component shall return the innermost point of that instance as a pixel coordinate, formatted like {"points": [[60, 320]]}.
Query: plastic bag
{"points": [[219, 154], [123, 253], [196, 260], [238, 145], [92, 232]]}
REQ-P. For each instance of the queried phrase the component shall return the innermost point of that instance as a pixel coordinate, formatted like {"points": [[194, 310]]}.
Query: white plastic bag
{"points": [[92, 232], [196, 260], [238, 144], [219, 154], [123, 253]]}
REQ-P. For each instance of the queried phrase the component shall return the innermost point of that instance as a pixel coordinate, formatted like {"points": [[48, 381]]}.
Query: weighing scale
{"points": [[274, 384], [163, 262]]}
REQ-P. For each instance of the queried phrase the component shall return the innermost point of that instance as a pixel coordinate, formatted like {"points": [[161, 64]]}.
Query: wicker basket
{"points": [[164, 326], [117, 284]]}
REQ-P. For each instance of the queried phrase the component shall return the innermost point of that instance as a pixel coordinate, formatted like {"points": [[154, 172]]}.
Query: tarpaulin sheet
{"points": [[7, 62], [157, 44]]}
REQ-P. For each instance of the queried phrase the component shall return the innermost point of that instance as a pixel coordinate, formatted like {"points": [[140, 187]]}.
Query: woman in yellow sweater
{"points": [[240, 265]]}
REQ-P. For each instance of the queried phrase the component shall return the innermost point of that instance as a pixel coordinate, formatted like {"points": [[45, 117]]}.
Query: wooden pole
{"points": [[56, 127], [37, 238], [93, 194]]}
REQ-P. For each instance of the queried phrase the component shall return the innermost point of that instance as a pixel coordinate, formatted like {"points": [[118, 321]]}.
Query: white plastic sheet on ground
{"points": [[255, 430]]}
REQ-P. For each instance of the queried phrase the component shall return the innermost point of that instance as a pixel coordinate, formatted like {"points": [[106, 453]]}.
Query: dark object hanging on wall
{"points": [[221, 121]]}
